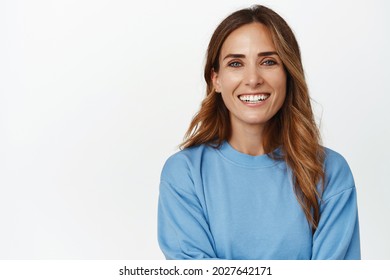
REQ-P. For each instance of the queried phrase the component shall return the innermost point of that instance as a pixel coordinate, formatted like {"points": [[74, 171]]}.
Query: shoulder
{"points": [[182, 165], [338, 175], [334, 160], [184, 158]]}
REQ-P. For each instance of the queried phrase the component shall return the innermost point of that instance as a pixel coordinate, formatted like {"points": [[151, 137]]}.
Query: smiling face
{"points": [[251, 76]]}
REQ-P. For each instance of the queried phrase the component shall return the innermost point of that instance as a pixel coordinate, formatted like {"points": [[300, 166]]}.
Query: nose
{"points": [[253, 77]]}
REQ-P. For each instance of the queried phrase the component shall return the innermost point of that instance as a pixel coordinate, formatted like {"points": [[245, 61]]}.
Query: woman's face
{"points": [[251, 77]]}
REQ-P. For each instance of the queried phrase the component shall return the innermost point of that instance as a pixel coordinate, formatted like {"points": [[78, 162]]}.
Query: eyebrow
{"points": [[233, 55]]}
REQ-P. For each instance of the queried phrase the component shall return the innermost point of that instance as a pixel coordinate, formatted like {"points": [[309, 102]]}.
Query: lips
{"points": [[254, 98]]}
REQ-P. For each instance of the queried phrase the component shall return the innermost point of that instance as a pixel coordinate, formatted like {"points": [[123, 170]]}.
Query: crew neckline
{"points": [[238, 158]]}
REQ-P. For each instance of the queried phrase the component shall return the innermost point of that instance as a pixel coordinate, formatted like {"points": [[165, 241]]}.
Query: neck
{"points": [[248, 139]]}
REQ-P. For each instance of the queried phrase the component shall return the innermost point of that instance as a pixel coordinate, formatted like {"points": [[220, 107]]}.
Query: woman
{"points": [[252, 180]]}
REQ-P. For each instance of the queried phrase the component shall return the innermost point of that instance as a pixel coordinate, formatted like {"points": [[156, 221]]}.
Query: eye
{"points": [[235, 64], [269, 62]]}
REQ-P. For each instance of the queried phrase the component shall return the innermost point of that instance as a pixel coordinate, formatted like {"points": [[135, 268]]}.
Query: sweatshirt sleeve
{"points": [[337, 234], [183, 230]]}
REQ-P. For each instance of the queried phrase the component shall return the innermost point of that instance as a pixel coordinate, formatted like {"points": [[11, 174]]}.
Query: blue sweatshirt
{"points": [[220, 203]]}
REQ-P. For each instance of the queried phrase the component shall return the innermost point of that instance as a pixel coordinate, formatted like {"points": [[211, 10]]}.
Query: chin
{"points": [[255, 122]]}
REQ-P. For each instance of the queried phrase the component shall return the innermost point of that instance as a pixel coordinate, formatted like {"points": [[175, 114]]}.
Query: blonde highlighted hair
{"points": [[293, 128]]}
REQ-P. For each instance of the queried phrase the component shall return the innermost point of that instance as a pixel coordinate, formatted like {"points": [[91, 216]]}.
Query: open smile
{"points": [[254, 98]]}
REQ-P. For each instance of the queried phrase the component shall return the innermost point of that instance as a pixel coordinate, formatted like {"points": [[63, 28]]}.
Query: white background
{"points": [[95, 95]]}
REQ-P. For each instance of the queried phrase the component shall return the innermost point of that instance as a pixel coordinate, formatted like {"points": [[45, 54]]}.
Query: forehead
{"points": [[249, 37]]}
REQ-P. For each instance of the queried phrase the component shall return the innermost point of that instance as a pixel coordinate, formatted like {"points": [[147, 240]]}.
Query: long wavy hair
{"points": [[293, 128]]}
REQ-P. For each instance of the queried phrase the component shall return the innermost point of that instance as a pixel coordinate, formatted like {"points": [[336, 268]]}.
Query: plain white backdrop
{"points": [[95, 95]]}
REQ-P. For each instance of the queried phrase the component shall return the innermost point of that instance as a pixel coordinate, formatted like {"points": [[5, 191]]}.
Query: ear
{"points": [[215, 79]]}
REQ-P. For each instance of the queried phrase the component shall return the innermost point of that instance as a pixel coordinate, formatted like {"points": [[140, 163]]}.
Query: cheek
{"points": [[229, 82], [280, 84], [282, 96], [282, 90], [227, 99]]}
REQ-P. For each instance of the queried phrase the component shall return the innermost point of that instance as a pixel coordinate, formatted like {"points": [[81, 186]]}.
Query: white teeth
{"points": [[252, 98]]}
